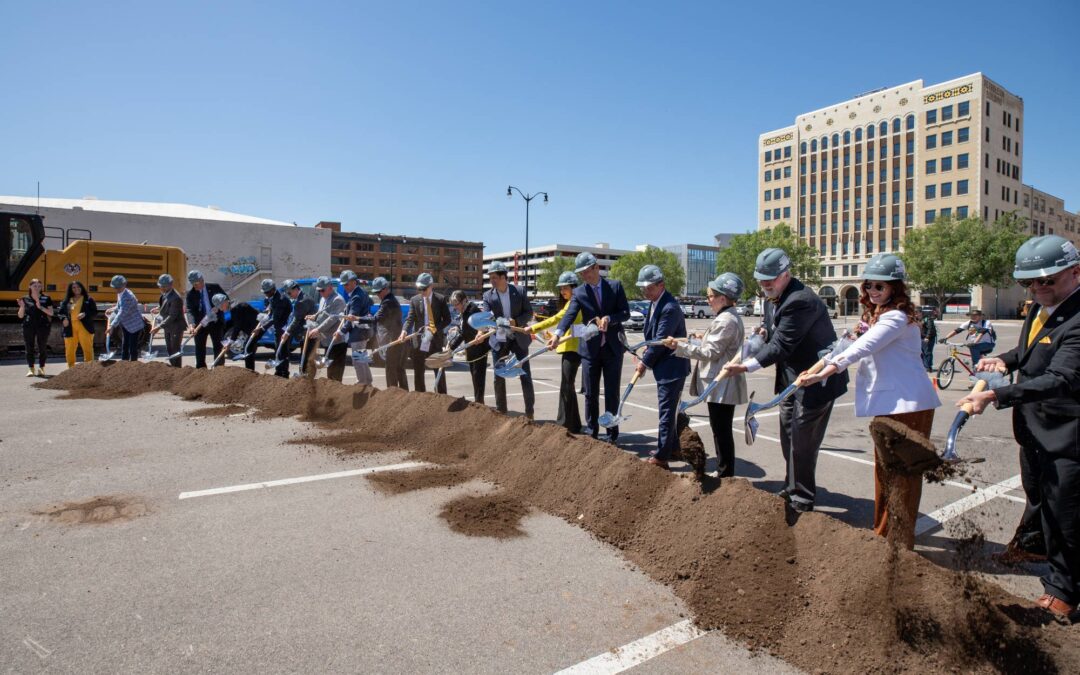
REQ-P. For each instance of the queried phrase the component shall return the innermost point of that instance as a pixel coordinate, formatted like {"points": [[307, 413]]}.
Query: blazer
{"points": [[243, 318], [89, 311], [1046, 397], [467, 333], [798, 328], [440, 313], [127, 312], [194, 305], [388, 320], [358, 304], [722, 341], [302, 306], [891, 379], [171, 311], [520, 311], [280, 308], [666, 320], [570, 345], [613, 305]]}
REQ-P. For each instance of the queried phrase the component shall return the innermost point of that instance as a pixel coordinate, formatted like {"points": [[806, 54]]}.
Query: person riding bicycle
{"points": [[980, 338]]}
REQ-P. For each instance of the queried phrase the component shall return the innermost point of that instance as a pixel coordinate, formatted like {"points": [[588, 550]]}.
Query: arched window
{"points": [[847, 137], [870, 131], [813, 145], [896, 125], [910, 122], [824, 142], [835, 140], [802, 148], [858, 134], [883, 129]]}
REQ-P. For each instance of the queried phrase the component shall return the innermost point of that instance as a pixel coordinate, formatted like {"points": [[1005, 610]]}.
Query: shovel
{"points": [[277, 360], [985, 381], [202, 324], [109, 356], [607, 420], [225, 347], [511, 367], [481, 320], [149, 354], [264, 321], [323, 360], [750, 349], [750, 425], [445, 359], [388, 345], [303, 351]]}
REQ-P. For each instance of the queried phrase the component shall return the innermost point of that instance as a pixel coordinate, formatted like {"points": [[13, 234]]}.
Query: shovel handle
{"points": [[635, 378], [979, 386]]}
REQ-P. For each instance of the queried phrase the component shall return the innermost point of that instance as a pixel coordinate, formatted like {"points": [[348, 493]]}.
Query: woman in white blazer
{"points": [[891, 383], [720, 343]]}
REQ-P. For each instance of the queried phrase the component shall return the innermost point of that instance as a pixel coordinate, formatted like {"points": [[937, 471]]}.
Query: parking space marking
{"points": [[299, 479], [938, 518], [637, 652]]}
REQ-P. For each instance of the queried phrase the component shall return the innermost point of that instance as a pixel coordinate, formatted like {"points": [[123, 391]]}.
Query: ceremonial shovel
{"points": [[443, 359], [607, 420], [150, 354], [986, 380], [265, 320], [512, 367], [749, 349], [322, 360], [202, 324], [109, 356]]}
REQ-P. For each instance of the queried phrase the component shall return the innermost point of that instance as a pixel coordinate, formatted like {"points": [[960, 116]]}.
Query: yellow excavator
{"points": [[76, 257]]}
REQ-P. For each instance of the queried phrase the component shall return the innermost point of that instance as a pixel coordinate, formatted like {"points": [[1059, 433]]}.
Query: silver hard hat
{"points": [[1043, 256], [424, 280], [118, 281], [498, 268], [347, 276], [322, 283], [290, 284], [728, 284], [771, 263], [193, 276], [649, 275], [379, 283], [567, 279], [584, 261], [885, 267], [267, 286], [164, 280], [218, 299]]}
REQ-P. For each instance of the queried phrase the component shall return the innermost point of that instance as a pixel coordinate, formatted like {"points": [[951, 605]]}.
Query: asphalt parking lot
{"points": [[330, 575]]}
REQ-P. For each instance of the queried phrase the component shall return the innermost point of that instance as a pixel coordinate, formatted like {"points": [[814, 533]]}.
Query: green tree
{"points": [[549, 272], [741, 253], [949, 256], [626, 269]]}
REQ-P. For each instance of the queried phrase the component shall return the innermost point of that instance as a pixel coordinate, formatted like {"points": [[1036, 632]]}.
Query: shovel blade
{"points": [[482, 320], [509, 372], [107, 356], [607, 420], [148, 356]]}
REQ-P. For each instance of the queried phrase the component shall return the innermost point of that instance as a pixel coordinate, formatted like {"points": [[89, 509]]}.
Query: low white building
{"points": [[230, 249], [516, 262]]}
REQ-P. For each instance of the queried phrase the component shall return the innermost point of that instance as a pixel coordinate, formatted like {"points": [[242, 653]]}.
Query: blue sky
{"points": [[640, 119]]}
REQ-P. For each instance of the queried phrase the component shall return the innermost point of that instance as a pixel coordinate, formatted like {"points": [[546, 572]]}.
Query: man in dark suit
{"points": [[475, 352], [280, 309], [302, 307], [357, 327], [198, 305], [601, 301], [387, 329], [171, 311], [242, 322], [665, 319], [797, 329], [506, 301], [1046, 410], [428, 311]]}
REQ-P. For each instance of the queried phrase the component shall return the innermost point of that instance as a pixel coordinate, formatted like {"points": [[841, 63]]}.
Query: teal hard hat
{"points": [[424, 280], [567, 279], [193, 276], [164, 280], [771, 263], [218, 299], [322, 283], [885, 267], [1043, 256], [584, 261], [649, 275], [267, 286], [346, 276], [379, 283], [118, 281], [290, 284], [728, 284], [497, 268]]}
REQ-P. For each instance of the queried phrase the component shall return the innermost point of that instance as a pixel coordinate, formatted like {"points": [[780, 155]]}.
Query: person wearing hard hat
{"points": [[387, 329], [508, 302], [891, 383], [170, 310], [664, 320], [797, 328], [278, 305], [1046, 415], [569, 414], [127, 315], [603, 302], [428, 313], [302, 306], [329, 319], [476, 347], [721, 342], [241, 327], [203, 322], [357, 329]]}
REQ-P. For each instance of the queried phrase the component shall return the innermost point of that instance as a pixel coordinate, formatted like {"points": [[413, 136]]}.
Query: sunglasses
{"points": [[1045, 281], [874, 285]]}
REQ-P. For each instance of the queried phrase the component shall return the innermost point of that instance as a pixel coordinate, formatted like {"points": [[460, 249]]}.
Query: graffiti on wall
{"points": [[240, 267]]}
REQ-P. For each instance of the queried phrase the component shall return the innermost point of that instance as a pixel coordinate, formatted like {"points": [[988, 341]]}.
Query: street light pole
{"points": [[528, 198]]}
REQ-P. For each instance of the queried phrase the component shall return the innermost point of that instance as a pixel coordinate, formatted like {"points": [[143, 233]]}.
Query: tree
{"points": [[549, 272], [740, 255], [950, 256], [626, 269]]}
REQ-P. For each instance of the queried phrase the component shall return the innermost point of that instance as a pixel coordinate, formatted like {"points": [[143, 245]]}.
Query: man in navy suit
{"points": [[506, 301], [603, 302], [665, 320]]}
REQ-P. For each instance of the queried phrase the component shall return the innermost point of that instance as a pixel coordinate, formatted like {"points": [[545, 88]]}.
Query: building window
{"points": [[931, 116], [988, 108], [896, 172], [776, 193], [870, 132], [776, 214], [387, 247], [768, 176], [910, 194], [768, 156], [835, 140], [431, 250], [961, 187], [824, 143], [929, 216], [896, 125], [813, 145], [802, 148], [962, 212], [931, 166], [963, 109], [787, 152], [931, 143], [787, 191], [768, 195], [946, 138], [858, 134], [986, 186], [962, 161], [963, 134], [946, 113], [946, 189], [945, 213], [987, 134], [909, 218], [883, 129], [910, 170], [884, 150], [896, 197], [787, 212], [870, 153], [931, 191], [910, 145], [896, 149], [909, 122], [946, 163], [768, 214], [787, 172], [847, 137]]}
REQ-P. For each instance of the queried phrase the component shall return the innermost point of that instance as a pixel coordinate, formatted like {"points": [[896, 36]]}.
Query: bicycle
{"points": [[947, 370]]}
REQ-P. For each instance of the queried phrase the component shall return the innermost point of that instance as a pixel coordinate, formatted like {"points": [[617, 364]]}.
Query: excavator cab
{"points": [[21, 244]]}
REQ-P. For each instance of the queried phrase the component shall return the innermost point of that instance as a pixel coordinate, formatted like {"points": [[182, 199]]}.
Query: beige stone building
{"points": [[852, 179], [1046, 214]]}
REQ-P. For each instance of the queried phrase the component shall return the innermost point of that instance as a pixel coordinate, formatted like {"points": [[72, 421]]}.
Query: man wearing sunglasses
{"points": [[1046, 415]]}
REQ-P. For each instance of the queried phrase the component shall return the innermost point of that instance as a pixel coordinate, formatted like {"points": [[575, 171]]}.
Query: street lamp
{"points": [[528, 198]]}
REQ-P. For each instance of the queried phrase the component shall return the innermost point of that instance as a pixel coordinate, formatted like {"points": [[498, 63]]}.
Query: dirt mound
{"points": [[349, 443], [397, 482], [99, 393], [218, 411], [691, 449], [497, 515], [97, 511], [819, 593]]}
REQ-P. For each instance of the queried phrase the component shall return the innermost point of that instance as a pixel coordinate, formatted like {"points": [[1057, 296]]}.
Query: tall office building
{"points": [[852, 179], [699, 267]]}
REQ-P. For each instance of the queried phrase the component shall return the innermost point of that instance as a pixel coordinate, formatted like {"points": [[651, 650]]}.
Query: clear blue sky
{"points": [[640, 119]]}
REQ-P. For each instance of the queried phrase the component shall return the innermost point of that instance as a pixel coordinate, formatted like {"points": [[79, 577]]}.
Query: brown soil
{"points": [[218, 411], [496, 515], [691, 448], [352, 443], [397, 482], [99, 393], [97, 511], [818, 593]]}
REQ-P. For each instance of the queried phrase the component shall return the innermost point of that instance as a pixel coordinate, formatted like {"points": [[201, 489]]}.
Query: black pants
{"points": [[130, 349], [35, 339], [801, 431], [1029, 534], [395, 368], [608, 364], [507, 348], [721, 416], [569, 412], [282, 352], [1059, 482], [478, 371], [335, 368], [212, 331], [419, 368]]}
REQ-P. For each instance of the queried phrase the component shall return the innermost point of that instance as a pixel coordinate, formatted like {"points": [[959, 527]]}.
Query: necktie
{"points": [[430, 318], [1037, 325], [206, 300]]}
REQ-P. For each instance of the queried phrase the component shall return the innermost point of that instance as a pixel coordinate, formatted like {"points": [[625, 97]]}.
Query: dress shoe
{"points": [[1055, 606], [658, 462], [784, 494], [801, 507]]}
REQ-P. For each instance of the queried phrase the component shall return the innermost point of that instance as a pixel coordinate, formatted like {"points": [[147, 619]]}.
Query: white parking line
{"points": [[639, 651], [937, 518], [300, 479]]}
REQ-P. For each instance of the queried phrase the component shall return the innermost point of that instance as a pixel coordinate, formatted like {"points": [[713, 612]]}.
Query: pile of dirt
{"points": [[496, 515], [691, 448], [397, 482], [819, 593], [96, 511], [218, 411], [348, 443]]}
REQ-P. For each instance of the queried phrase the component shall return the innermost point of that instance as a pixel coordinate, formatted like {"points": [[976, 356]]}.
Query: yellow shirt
{"points": [[570, 345], [76, 310]]}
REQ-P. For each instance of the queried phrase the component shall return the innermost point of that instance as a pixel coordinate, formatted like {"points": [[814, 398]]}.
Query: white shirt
{"points": [[504, 299]]}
